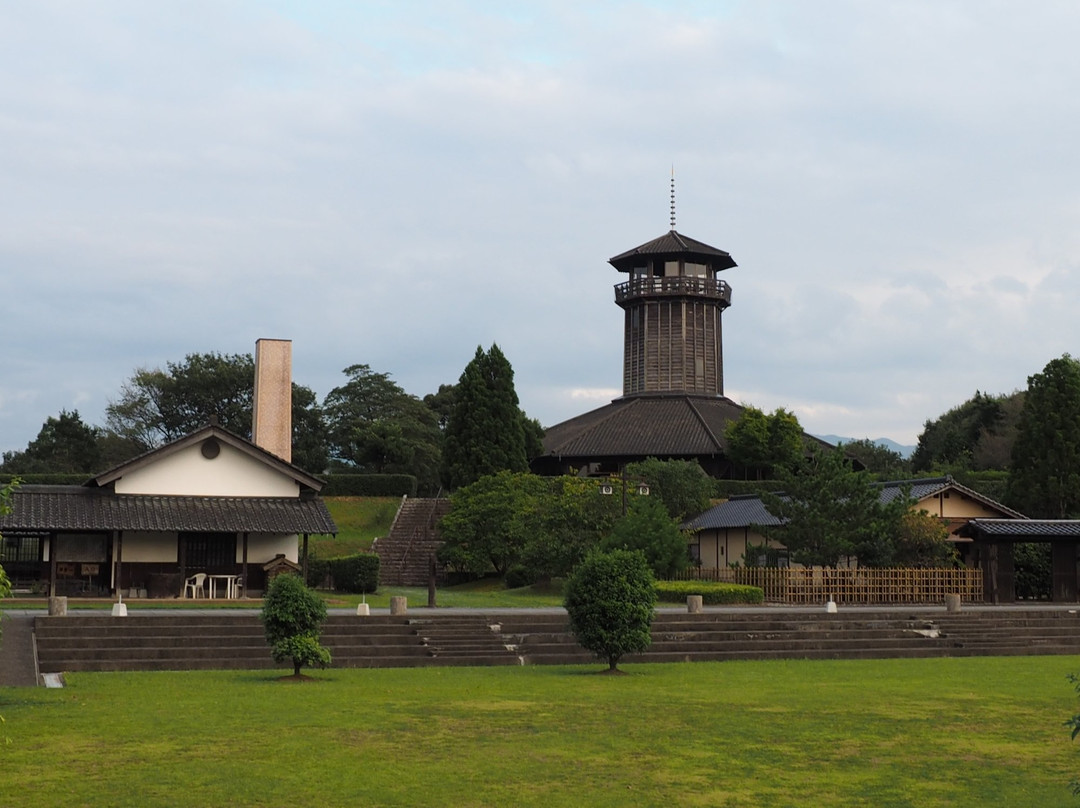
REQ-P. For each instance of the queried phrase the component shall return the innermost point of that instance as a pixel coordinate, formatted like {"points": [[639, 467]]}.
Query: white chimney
{"points": [[271, 421]]}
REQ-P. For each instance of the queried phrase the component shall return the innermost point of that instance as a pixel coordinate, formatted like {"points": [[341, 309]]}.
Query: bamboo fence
{"points": [[862, 585]]}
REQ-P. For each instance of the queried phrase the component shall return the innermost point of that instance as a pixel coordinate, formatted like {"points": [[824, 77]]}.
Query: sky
{"points": [[398, 183]]}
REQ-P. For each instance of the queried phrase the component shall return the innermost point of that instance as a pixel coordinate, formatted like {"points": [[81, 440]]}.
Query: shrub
{"points": [[609, 598], [355, 573], [369, 485], [648, 528], [518, 576], [292, 615], [712, 593]]}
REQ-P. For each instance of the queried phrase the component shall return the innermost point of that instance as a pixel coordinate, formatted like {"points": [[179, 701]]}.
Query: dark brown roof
{"points": [[661, 425], [78, 508], [1022, 529], [673, 244], [303, 478]]}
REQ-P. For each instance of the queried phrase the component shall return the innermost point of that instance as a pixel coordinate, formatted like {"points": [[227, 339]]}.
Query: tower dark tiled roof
{"points": [[673, 243], [645, 426]]}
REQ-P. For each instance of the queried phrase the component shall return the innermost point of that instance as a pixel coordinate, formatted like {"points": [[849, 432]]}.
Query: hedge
{"points": [[712, 593], [725, 489], [46, 479], [356, 573], [369, 485]]}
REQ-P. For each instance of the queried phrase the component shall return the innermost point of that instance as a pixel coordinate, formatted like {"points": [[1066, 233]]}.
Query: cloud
{"points": [[398, 183]]}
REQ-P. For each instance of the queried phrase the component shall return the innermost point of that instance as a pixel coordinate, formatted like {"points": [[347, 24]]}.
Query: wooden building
{"points": [[212, 502], [673, 404]]}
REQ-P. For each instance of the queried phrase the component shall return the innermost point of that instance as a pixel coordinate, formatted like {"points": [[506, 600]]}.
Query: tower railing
{"points": [[673, 287]]}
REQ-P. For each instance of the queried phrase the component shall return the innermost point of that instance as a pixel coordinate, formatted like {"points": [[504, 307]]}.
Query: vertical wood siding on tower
{"points": [[673, 345]]}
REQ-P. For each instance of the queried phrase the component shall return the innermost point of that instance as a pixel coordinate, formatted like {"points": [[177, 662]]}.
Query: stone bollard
{"points": [[694, 604], [58, 606], [398, 604], [363, 609], [952, 603]]}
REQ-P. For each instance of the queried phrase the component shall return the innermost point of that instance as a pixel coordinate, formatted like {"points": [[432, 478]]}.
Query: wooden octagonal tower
{"points": [[673, 302]]}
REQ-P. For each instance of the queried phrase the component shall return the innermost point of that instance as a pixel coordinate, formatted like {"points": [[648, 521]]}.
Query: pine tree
{"points": [[485, 433], [1045, 478]]}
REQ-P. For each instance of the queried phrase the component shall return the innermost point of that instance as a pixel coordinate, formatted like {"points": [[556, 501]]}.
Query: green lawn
{"points": [[941, 732], [360, 520]]}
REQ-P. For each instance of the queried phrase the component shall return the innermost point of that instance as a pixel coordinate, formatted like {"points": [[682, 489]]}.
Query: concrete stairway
{"points": [[405, 552], [205, 641]]}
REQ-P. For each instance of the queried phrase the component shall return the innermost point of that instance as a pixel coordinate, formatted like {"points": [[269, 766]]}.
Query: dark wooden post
{"points": [[431, 582], [1064, 555], [52, 565], [119, 536], [244, 566]]}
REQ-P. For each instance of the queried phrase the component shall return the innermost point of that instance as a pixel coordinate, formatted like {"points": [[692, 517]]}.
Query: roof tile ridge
{"points": [[701, 420]]}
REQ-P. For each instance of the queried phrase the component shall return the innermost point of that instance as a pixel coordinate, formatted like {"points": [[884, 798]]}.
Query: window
{"points": [[17, 549], [209, 550]]}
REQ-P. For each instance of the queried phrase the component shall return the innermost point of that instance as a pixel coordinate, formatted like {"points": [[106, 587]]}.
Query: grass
{"points": [[939, 732], [360, 520]]}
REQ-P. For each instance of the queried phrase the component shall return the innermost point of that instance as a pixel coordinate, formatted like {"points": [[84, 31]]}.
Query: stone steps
{"points": [[226, 641]]}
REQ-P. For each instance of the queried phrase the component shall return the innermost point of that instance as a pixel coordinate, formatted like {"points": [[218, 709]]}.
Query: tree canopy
{"points": [[681, 485], [486, 430], [831, 512], [64, 445], [375, 427], [977, 435], [292, 617], [764, 443], [879, 460], [158, 406], [609, 600], [1045, 476]]}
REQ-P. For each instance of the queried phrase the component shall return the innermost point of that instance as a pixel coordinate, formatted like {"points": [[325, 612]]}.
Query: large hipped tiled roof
{"points": [[663, 425], [79, 508]]}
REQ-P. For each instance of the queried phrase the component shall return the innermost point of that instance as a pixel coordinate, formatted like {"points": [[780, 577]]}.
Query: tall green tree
{"points": [[681, 485], [486, 431], [764, 443], [976, 435], [65, 445], [831, 512], [879, 460], [1045, 478], [376, 427], [157, 406], [490, 521]]}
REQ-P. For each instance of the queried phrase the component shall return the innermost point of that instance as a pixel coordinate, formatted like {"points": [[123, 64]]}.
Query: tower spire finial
{"points": [[672, 196]]}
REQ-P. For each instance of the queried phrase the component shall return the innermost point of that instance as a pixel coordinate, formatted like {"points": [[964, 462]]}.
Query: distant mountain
{"points": [[903, 450]]}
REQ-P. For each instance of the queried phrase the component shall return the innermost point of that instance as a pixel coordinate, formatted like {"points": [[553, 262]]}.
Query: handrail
{"points": [[417, 531], [673, 286]]}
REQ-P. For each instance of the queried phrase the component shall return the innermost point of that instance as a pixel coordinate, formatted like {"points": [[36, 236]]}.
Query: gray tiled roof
{"points": [[748, 510], [737, 512], [78, 508], [673, 243], [1022, 528], [921, 488]]}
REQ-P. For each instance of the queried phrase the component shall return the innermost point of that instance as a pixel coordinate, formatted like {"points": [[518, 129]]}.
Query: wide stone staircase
{"points": [[405, 552], [522, 637]]}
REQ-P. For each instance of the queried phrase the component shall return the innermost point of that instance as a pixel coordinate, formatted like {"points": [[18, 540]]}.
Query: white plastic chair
{"points": [[195, 584]]}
